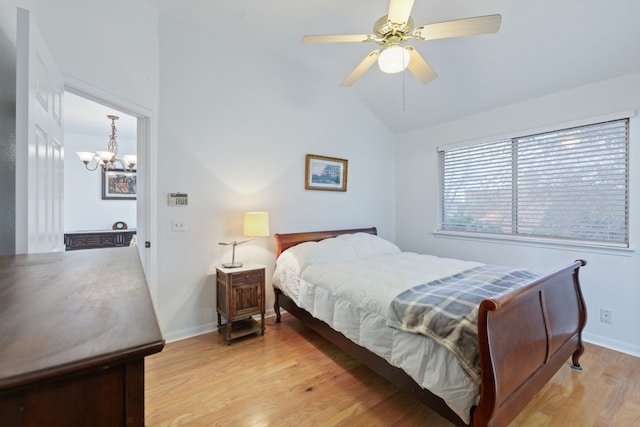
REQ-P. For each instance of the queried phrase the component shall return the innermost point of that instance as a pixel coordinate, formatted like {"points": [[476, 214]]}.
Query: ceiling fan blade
{"points": [[419, 67], [399, 11], [361, 68], [459, 28], [338, 38]]}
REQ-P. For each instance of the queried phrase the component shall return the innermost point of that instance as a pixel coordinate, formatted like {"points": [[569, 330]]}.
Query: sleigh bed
{"points": [[524, 336]]}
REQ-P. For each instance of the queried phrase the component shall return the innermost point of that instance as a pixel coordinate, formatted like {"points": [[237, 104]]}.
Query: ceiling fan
{"points": [[394, 29]]}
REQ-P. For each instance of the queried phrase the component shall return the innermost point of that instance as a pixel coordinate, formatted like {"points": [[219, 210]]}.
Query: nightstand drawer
{"points": [[248, 277]]}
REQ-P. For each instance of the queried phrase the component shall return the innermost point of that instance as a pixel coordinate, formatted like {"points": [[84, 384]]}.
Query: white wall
{"points": [[234, 135], [84, 208], [111, 46], [610, 280]]}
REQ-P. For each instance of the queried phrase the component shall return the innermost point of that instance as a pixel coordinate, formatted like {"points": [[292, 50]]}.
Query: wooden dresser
{"points": [[75, 328], [97, 239]]}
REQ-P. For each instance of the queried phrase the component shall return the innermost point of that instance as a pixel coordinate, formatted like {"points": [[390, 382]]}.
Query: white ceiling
{"points": [[85, 117], [543, 46]]}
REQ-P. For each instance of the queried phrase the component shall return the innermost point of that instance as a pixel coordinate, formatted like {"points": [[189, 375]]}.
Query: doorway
{"points": [[103, 103], [89, 206]]}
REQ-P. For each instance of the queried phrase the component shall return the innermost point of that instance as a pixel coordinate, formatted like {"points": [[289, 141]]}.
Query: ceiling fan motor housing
{"points": [[386, 30]]}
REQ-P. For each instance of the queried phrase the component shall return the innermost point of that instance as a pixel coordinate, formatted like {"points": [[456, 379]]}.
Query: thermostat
{"points": [[178, 199]]}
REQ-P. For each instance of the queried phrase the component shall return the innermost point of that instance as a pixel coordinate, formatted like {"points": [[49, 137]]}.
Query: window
{"points": [[566, 184]]}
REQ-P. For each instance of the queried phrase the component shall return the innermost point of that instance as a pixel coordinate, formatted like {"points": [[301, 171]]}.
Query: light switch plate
{"points": [[178, 225]]}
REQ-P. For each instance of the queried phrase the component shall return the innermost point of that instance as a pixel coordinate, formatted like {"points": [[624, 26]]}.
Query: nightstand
{"points": [[240, 295]]}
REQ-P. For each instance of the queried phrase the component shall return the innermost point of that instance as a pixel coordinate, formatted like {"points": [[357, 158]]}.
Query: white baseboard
{"points": [[200, 330], [616, 345], [189, 333]]}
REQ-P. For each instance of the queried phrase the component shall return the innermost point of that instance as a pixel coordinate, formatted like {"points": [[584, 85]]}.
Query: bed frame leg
{"points": [[276, 303], [575, 358]]}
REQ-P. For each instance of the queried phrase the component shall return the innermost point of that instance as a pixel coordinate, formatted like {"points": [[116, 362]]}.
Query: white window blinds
{"points": [[566, 184]]}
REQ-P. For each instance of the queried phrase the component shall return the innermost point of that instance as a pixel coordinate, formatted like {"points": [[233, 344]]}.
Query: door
{"points": [[39, 143]]}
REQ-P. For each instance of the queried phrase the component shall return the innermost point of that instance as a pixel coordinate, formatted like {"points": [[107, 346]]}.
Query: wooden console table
{"points": [[97, 239], [75, 329]]}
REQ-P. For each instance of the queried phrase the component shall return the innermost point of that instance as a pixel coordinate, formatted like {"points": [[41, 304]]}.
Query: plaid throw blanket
{"points": [[446, 310]]}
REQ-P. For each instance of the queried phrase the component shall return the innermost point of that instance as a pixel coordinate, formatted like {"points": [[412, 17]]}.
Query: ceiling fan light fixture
{"points": [[393, 59]]}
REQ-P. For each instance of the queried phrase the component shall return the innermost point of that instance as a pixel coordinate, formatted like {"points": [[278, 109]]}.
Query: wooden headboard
{"points": [[285, 241]]}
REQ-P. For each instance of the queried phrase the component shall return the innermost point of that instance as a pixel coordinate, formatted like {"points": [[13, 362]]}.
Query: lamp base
{"points": [[232, 265]]}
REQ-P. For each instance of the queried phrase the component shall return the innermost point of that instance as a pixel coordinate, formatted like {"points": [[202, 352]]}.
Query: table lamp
{"points": [[256, 224]]}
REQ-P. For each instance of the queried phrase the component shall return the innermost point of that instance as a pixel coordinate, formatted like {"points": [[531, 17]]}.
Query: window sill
{"points": [[538, 242]]}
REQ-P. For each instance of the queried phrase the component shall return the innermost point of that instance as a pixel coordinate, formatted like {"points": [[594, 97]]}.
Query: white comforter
{"points": [[349, 282]]}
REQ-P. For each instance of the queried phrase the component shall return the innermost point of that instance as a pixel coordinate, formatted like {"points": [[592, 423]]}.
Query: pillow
{"points": [[369, 245], [343, 248]]}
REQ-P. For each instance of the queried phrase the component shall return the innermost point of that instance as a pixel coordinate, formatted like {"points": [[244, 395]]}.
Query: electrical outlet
{"points": [[178, 225], [605, 315]]}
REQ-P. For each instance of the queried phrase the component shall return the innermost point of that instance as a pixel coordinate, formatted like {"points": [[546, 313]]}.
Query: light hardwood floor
{"points": [[293, 377]]}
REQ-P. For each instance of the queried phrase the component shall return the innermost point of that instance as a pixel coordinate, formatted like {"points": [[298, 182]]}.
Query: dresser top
{"points": [[129, 230], [65, 311]]}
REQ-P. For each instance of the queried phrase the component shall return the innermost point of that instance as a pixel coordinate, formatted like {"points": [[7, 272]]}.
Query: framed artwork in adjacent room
{"points": [[118, 184]]}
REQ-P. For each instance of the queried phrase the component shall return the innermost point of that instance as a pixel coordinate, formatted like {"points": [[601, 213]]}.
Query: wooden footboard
{"points": [[524, 338]]}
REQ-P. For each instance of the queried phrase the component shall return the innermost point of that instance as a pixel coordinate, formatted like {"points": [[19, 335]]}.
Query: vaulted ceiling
{"points": [[543, 46]]}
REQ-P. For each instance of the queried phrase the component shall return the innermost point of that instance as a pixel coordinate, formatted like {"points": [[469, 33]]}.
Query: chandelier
{"points": [[107, 159]]}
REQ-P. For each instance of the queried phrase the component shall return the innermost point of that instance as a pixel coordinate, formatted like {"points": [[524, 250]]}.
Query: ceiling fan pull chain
{"points": [[403, 73]]}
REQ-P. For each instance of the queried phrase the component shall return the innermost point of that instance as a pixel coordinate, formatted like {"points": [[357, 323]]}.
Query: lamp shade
{"points": [[105, 156], [393, 59], [130, 159], [85, 156], [256, 224]]}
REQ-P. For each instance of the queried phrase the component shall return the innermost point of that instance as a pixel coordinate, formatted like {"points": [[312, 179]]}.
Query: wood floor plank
{"points": [[293, 377]]}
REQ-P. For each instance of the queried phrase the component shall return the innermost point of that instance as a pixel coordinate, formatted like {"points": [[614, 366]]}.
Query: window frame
{"points": [[528, 239]]}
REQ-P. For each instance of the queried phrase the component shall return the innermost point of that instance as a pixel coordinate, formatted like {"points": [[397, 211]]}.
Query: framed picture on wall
{"points": [[118, 184], [325, 173]]}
